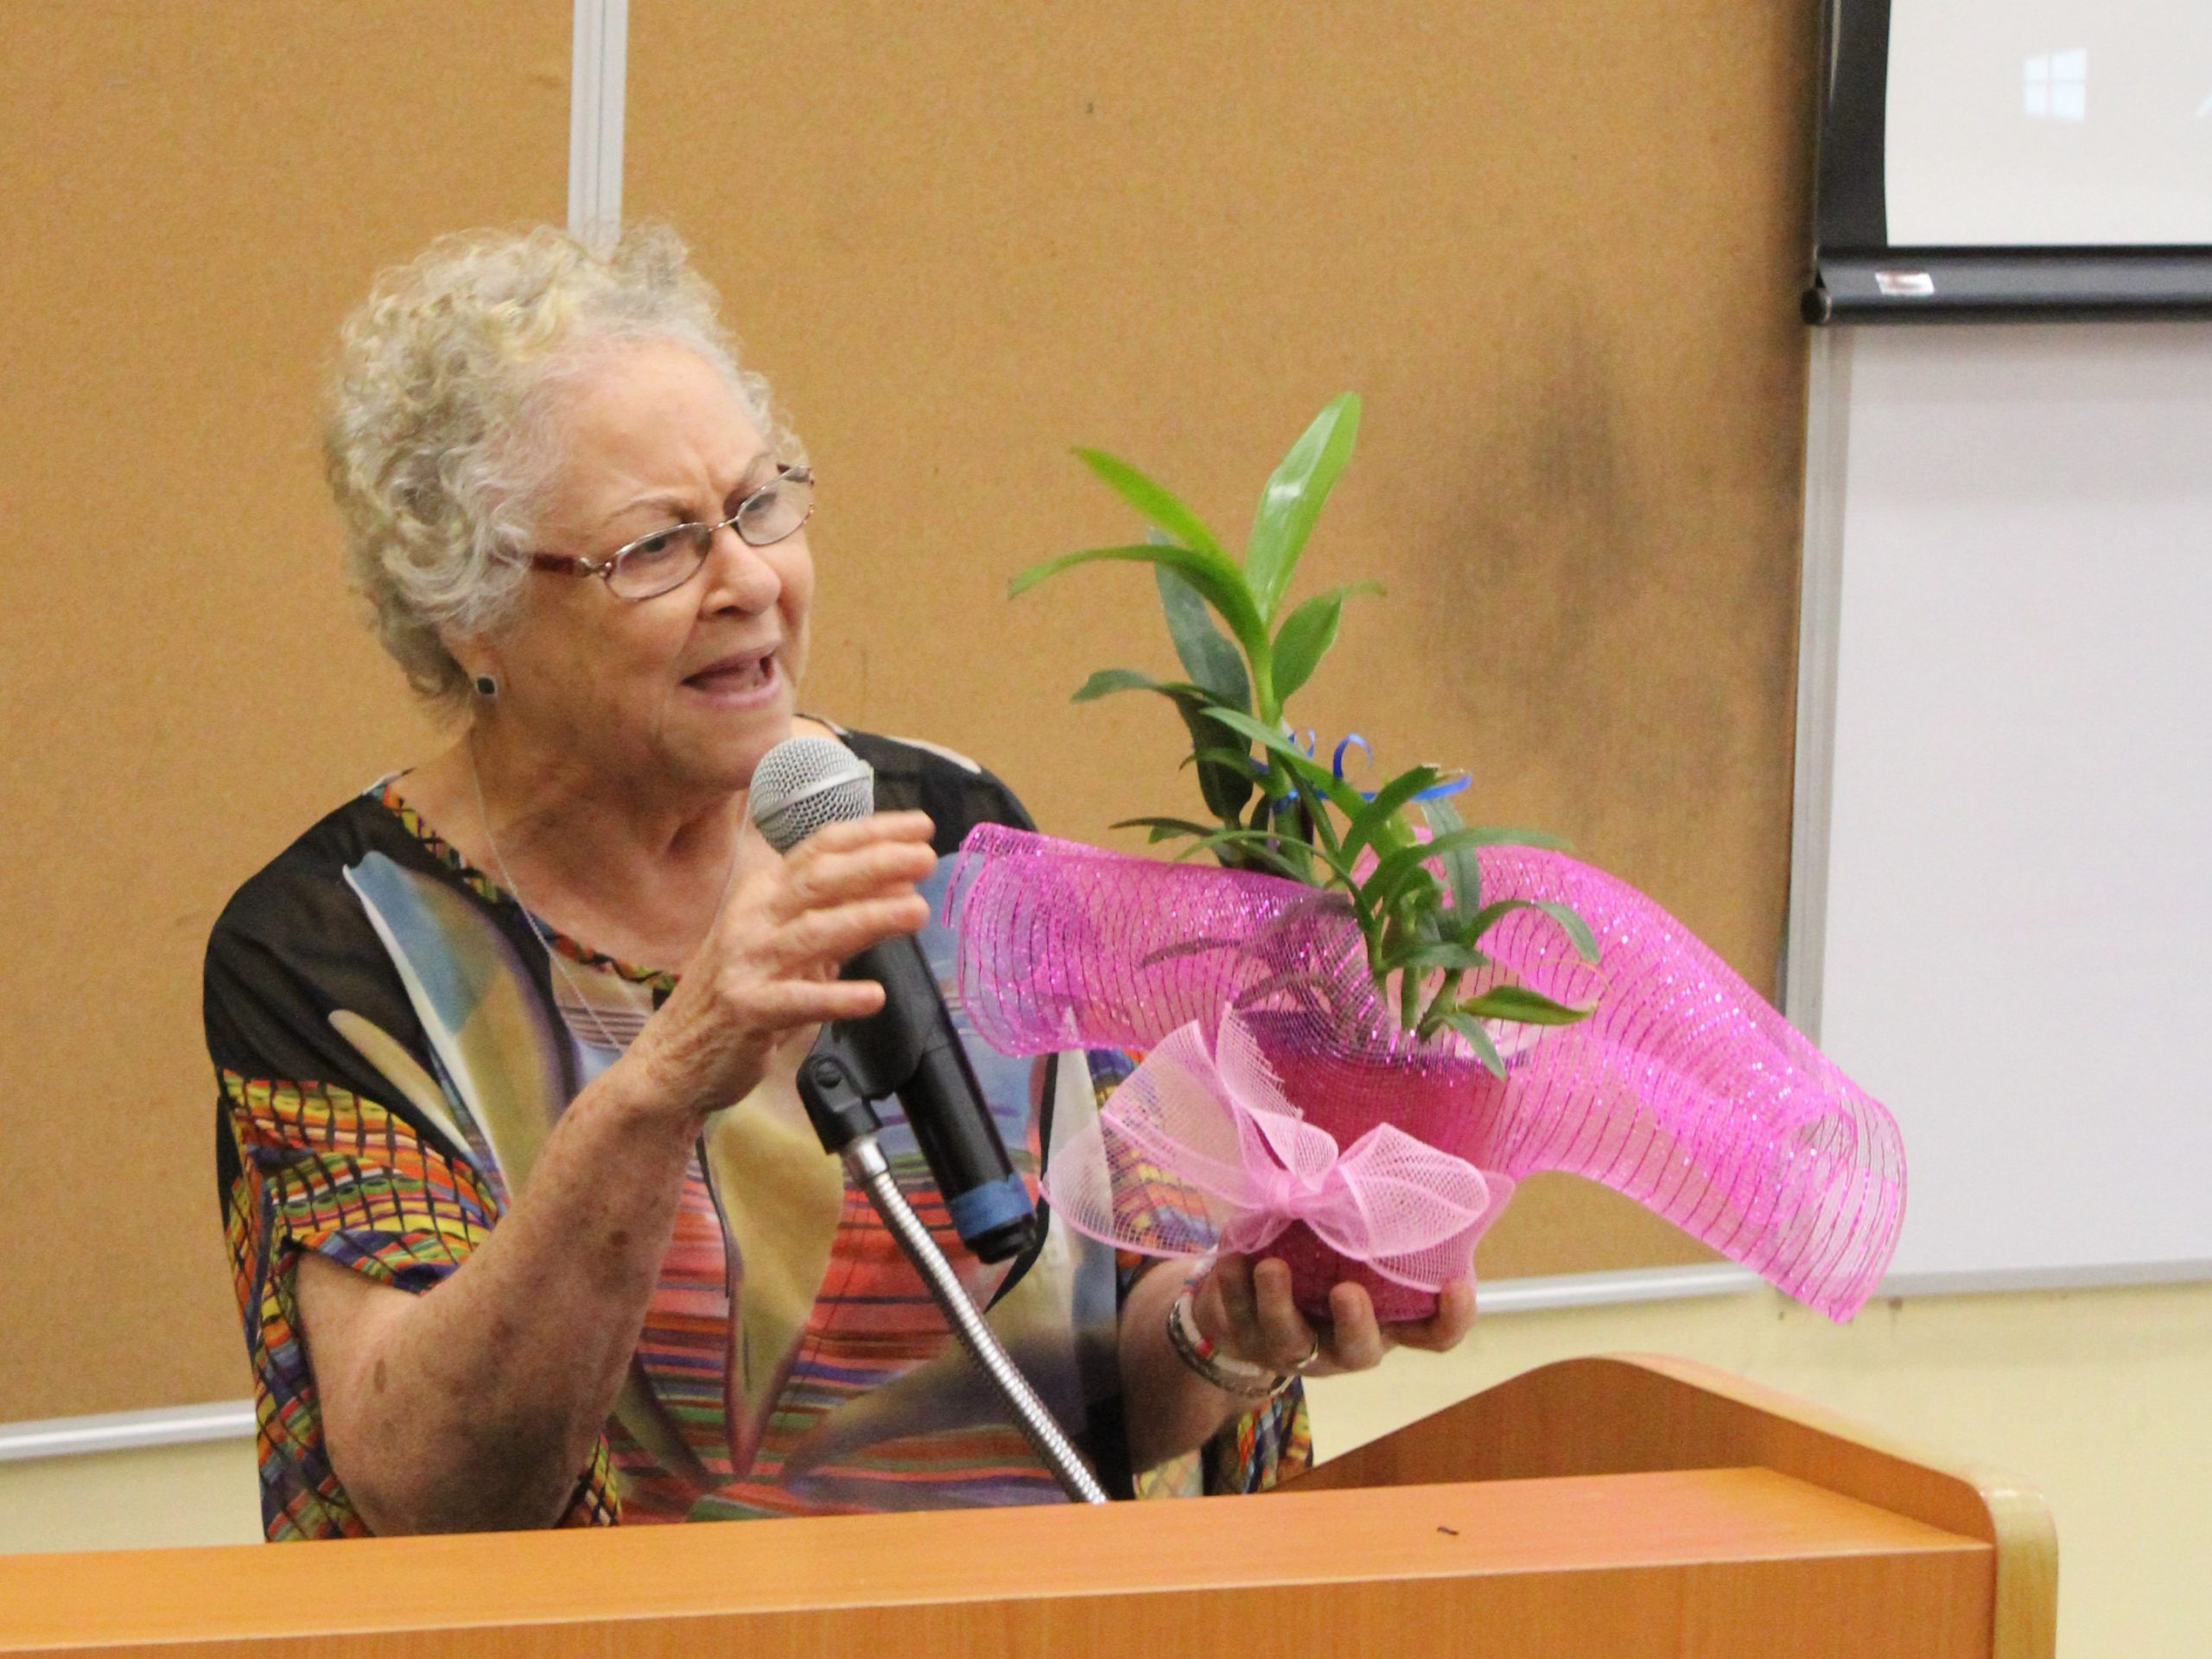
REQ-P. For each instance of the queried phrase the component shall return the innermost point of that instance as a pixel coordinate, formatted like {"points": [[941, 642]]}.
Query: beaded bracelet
{"points": [[1196, 1350]]}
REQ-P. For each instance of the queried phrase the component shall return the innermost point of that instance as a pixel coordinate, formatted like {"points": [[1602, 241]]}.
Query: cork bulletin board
{"points": [[1554, 244], [195, 194]]}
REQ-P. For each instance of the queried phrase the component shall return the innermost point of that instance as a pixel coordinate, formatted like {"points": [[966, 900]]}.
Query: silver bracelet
{"points": [[1196, 1350]]}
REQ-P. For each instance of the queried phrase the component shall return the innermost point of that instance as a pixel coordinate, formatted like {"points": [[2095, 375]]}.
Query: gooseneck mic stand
{"points": [[839, 1099]]}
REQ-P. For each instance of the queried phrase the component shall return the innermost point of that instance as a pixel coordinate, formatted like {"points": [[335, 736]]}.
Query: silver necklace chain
{"points": [[528, 915]]}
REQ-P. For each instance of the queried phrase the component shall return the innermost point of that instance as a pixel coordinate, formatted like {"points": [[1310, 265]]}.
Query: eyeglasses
{"points": [[655, 564]]}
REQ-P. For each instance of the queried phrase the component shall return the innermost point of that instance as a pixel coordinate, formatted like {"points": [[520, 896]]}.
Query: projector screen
{"points": [[2049, 123]]}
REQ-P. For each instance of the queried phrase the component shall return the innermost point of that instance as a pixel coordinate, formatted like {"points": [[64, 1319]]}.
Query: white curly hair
{"points": [[443, 425]]}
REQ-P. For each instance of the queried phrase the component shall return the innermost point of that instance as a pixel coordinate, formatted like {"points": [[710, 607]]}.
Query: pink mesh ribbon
{"points": [[1685, 1091], [1212, 1124]]}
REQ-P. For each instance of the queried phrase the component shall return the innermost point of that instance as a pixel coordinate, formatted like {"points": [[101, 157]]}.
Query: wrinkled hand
{"points": [[1244, 1306], [767, 969]]}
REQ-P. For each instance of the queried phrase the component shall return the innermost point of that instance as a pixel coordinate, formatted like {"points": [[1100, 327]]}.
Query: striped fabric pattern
{"points": [[322, 1170]]}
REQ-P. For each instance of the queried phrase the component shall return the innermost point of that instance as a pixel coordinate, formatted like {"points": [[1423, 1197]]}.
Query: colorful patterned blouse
{"points": [[392, 1044]]}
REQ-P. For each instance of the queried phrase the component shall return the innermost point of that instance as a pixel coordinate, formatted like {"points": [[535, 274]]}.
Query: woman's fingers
{"points": [[1236, 1316], [1248, 1308], [793, 1003], [819, 938], [847, 833], [1286, 1341], [1356, 1341], [829, 875], [1446, 1328], [832, 840]]}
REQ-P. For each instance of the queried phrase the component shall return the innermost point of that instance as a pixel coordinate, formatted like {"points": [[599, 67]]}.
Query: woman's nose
{"points": [[738, 578]]}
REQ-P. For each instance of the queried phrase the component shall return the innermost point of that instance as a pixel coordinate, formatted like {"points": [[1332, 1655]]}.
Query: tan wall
{"points": [[2097, 1397], [195, 195]]}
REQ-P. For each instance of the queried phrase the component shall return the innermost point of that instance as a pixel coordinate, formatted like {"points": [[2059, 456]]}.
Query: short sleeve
{"points": [[314, 1156]]}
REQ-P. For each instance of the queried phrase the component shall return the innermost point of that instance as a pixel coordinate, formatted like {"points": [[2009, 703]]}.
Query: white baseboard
{"points": [[127, 1431], [2108, 1275], [1538, 1294]]}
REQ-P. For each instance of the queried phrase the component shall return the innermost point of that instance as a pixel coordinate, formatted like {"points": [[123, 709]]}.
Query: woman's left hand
{"points": [[1244, 1306]]}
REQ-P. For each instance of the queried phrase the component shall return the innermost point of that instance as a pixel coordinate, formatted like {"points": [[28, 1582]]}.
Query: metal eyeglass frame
{"points": [[702, 536]]}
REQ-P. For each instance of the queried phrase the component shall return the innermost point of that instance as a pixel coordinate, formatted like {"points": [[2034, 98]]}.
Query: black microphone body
{"points": [[909, 1047]]}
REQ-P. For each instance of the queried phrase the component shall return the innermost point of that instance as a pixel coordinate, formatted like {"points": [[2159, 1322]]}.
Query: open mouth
{"points": [[736, 676]]}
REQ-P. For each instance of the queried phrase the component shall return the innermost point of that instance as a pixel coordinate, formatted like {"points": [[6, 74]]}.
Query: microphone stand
{"points": [[844, 1117]]}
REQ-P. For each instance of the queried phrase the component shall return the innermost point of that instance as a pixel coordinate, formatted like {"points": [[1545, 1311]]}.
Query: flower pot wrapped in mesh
{"points": [[1683, 1091]]}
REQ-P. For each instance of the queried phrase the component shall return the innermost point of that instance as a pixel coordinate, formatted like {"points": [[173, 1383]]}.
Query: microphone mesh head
{"points": [[804, 783]]}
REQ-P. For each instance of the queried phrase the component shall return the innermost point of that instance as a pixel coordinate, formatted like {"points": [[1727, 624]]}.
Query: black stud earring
{"points": [[486, 686]]}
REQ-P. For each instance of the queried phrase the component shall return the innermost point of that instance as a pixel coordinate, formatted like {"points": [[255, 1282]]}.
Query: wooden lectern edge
{"points": [[1614, 1413], [209, 1601], [1597, 1474], [2016, 1517]]}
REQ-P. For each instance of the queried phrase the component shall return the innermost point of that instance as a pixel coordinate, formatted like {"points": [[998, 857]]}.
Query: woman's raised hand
{"points": [[768, 966]]}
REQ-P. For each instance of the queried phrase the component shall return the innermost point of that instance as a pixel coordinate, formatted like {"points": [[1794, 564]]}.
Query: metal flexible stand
{"points": [[865, 1162], [839, 1085]]}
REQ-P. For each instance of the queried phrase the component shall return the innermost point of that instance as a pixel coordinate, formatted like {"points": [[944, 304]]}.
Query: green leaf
{"points": [[1186, 947], [1442, 1000], [1293, 497], [1398, 865], [1478, 1037], [1462, 871], [1219, 582], [1163, 828], [1204, 652], [1577, 930], [1432, 954], [1225, 780], [1393, 866], [1153, 500], [1307, 635], [1219, 757], [1107, 680], [1271, 850], [1317, 814], [1372, 824], [1530, 1007]]}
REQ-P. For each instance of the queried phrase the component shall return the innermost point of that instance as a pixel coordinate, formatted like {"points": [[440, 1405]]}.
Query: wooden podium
{"points": [[1614, 1506]]}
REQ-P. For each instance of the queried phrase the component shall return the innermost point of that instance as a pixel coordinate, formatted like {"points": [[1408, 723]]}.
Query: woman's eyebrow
{"points": [[757, 471], [678, 506], [673, 507]]}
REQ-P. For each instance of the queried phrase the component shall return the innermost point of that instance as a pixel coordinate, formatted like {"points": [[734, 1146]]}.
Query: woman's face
{"points": [[687, 690]]}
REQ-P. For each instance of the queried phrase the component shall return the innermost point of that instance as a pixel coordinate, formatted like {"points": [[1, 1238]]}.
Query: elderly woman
{"points": [[527, 1222]]}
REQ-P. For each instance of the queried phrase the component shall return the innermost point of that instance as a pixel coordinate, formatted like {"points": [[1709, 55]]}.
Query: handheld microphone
{"points": [[908, 1047]]}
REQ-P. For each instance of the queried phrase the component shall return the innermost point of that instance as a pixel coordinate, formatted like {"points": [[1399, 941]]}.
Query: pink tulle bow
{"points": [[1220, 1157]]}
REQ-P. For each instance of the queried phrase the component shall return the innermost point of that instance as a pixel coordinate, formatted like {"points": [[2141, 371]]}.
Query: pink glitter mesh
{"points": [[1685, 1091]]}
